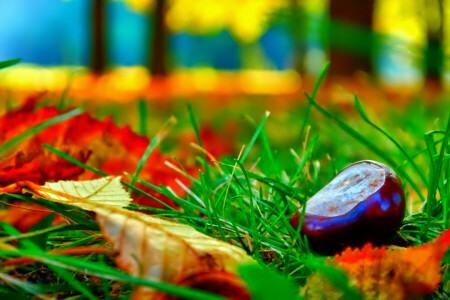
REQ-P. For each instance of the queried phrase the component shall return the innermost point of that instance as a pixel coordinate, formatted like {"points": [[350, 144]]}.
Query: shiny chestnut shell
{"points": [[365, 202]]}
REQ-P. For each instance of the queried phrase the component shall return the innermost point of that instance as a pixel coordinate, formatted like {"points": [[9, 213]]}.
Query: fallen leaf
{"points": [[18, 121], [154, 171], [382, 273], [220, 283], [217, 143], [34, 163], [24, 215], [97, 143], [94, 194], [147, 246]]}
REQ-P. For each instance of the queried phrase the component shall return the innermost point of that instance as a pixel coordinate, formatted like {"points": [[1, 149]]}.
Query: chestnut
{"points": [[365, 202]]}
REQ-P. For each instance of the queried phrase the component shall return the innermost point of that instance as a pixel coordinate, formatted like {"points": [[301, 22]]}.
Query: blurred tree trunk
{"points": [[434, 57], [296, 26], [359, 15], [98, 49], [159, 50]]}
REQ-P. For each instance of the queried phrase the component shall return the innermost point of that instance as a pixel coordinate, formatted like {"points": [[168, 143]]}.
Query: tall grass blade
{"points": [[369, 145], [255, 136], [407, 156], [153, 144], [8, 63], [35, 129]]}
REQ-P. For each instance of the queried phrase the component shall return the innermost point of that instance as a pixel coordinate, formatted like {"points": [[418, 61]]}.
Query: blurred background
{"points": [[252, 46], [142, 61]]}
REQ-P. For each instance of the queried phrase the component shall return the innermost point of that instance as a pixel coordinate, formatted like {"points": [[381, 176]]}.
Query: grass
{"points": [[8, 63], [244, 202], [35, 129]]}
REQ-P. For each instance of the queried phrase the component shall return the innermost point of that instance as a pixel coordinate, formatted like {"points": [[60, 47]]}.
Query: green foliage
{"points": [[267, 284], [337, 278], [153, 143], [8, 63], [35, 129], [41, 239], [243, 203]]}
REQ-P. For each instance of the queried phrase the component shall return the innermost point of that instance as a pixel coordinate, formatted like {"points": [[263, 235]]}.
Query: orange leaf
{"points": [[24, 215], [382, 273]]}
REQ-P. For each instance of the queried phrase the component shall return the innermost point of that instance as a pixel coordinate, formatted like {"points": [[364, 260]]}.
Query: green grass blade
{"points": [[142, 107], [107, 272], [28, 287], [320, 79], [255, 136], [73, 160], [187, 206], [407, 156], [435, 177], [276, 184], [199, 141], [154, 142], [337, 278], [35, 129], [68, 211], [13, 232], [270, 168], [69, 278], [44, 223], [80, 164], [369, 145], [268, 284], [273, 167], [305, 159], [313, 96], [46, 231], [253, 225], [7, 63]]}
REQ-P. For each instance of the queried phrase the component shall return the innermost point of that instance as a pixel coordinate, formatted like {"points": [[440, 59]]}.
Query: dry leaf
{"points": [[382, 273], [147, 246], [105, 192]]}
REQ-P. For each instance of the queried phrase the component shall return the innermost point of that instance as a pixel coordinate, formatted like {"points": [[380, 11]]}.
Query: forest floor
{"points": [[234, 167]]}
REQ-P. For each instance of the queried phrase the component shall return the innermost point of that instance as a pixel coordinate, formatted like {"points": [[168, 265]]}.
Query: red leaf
{"points": [[97, 143], [216, 143], [100, 144], [220, 283]]}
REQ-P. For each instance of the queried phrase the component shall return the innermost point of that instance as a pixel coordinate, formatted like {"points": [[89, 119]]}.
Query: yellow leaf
{"points": [[165, 249], [147, 246], [106, 192]]}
